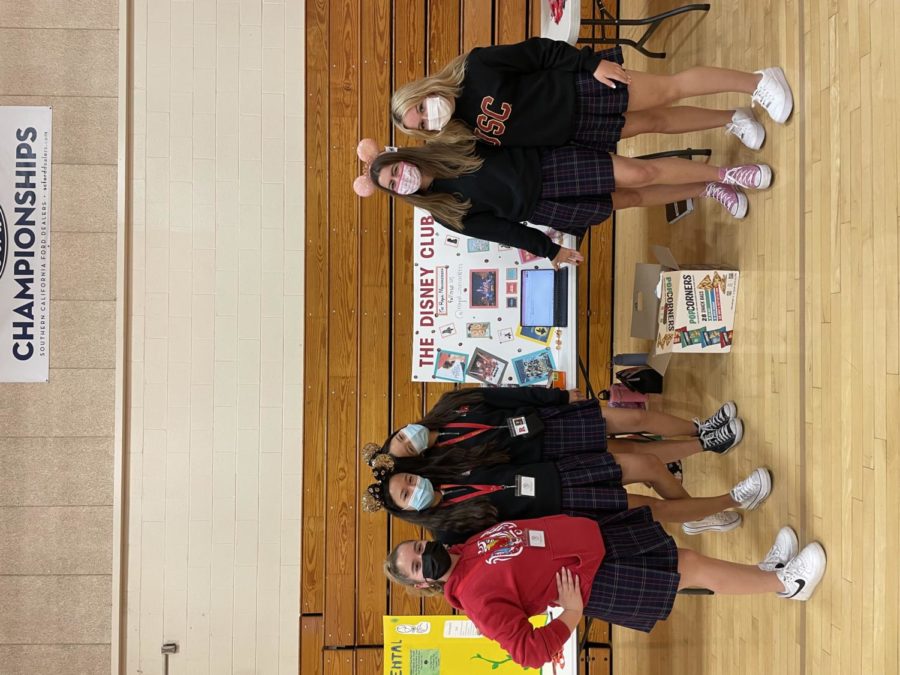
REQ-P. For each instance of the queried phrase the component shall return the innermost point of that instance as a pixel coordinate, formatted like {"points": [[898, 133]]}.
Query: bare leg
{"points": [[638, 173], [700, 571], [652, 91], [682, 510], [665, 451], [655, 195], [641, 468], [634, 420], [677, 120]]}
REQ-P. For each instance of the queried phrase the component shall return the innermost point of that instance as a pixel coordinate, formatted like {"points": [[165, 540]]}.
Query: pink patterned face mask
{"points": [[409, 179]]}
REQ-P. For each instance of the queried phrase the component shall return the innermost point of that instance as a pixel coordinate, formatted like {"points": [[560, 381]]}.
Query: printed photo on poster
{"points": [[483, 288], [452, 241], [539, 334], [526, 257], [448, 330], [478, 329], [451, 366], [533, 367], [486, 367], [478, 246], [505, 335]]}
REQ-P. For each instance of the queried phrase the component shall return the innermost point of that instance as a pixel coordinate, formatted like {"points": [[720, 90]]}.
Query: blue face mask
{"points": [[418, 436], [422, 497]]}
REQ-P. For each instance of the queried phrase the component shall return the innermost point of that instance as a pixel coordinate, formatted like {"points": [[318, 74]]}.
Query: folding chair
{"points": [[607, 19]]}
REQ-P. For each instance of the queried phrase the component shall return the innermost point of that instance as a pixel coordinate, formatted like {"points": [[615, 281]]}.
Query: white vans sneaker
{"points": [[753, 490], [743, 124], [803, 573], [774, 94], [723, 521], [784, 549], [734, 201]]}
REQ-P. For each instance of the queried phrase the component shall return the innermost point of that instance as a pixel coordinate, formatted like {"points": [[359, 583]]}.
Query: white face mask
{"points": [[437, 113], [409, 179]]}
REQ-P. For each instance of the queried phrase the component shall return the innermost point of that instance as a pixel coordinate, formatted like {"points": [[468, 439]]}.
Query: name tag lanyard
{"points": [[477, 491], [476, 430], [524, 487]]}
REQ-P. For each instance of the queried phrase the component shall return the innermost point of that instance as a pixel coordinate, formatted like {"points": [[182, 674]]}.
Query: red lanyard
{"points": [[476, 430], [478, 491]]}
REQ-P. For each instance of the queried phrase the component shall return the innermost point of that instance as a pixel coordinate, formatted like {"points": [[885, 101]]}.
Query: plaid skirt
{"points": [[591, 486], [599, 110], [576, 184], [572, 429], [636, 584]]}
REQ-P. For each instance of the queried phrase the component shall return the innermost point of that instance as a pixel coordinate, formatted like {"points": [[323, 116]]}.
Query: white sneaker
{"points": [[734, 201], [784, 549], [803, 573], [753, 490], [774, 94], [743, 124], [750, 176], [723, 521]]}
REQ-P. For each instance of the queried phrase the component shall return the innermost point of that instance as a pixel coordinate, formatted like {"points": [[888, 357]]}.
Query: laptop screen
{"points": [[537, 297]]}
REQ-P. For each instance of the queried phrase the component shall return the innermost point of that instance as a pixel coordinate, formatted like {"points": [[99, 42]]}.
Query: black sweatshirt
{"points": [[524, 94], [547, 499], [501, 403], [503, 192]]}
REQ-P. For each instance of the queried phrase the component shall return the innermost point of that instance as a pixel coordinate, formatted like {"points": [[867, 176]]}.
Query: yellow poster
{"points": [[442, 645]]}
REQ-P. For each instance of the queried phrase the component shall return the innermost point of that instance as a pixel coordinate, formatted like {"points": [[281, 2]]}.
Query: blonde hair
{"points": [[446, 83], [392, 572], [441, 160]]}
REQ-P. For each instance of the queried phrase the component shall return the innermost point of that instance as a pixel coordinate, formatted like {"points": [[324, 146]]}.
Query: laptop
{"points": [[544, 297]]}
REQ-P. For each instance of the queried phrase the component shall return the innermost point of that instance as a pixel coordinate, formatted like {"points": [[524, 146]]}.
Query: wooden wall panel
{"points": [[599, 661], [311, 641], [510, 23], [410, 31], [343, 334], [369, 662], [444, 43], [374, 317], [316, 290], [477, 20], [339, 662]]}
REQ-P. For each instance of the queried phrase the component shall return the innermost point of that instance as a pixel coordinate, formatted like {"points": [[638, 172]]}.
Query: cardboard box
{"points": [[686, 309]]}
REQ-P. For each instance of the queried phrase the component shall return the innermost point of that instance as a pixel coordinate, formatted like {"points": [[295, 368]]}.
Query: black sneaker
{"points": [[722, 416], [723, 440]]}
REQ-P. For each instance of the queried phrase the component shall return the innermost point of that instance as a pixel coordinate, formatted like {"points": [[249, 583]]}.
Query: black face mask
{"points": [[435, 560]]}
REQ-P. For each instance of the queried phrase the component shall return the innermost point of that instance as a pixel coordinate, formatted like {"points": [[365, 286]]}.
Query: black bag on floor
{"points": [[642, 379]]}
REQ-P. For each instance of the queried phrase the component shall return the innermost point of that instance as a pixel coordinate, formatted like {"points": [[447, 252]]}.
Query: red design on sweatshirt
{"points": [[490, 124]]}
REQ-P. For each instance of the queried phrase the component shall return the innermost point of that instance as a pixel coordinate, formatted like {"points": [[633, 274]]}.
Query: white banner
{"points": [[25, 135], [466, 312]]}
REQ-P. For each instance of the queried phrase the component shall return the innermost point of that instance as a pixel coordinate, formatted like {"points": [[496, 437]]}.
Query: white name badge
{"points": [[525, 486], [536, 538], [518, 426]]}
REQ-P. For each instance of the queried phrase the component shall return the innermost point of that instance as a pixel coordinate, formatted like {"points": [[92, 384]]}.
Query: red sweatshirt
{"points": [[504, 576]]}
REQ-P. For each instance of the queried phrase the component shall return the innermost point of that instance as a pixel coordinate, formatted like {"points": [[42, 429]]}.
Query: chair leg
{"points": [[652, 23], [687, 153]]}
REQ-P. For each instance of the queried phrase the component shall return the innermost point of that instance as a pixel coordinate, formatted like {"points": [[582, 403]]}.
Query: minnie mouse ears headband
{"points": [[367, 151], [382, 465]]}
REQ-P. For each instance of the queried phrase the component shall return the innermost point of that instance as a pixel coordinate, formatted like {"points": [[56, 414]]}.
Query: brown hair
{"points": [[441, 160]]}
